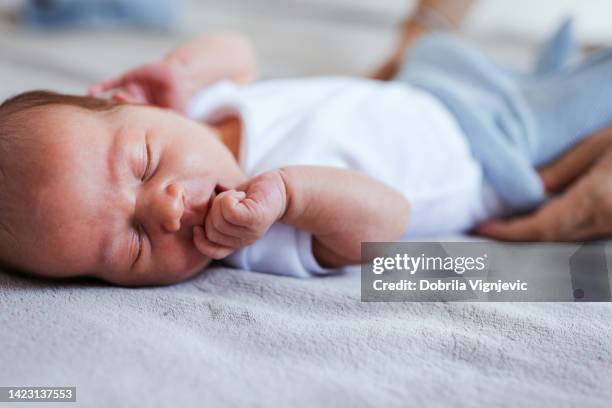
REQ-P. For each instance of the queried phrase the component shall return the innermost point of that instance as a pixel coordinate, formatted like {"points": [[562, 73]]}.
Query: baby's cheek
{"points": [[193, 271], [179, 263]]}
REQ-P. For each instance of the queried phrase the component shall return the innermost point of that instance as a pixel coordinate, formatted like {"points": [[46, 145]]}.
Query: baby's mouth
{"points": [[219, 189], [196, 214], [215, 192]]}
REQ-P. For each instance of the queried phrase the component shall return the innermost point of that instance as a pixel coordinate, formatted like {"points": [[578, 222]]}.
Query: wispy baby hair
{"points": [[20, 144]]}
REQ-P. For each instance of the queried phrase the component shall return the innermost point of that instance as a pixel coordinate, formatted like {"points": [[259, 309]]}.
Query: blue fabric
{"points": [[513, 121], [99, 13], [560, 52]]}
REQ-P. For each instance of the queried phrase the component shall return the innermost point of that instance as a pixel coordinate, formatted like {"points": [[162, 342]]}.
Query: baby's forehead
{"points": [[61, 156], [64, 146], [57, 124], [76, 191], [51, 124], [42, 137], [58, 113]]}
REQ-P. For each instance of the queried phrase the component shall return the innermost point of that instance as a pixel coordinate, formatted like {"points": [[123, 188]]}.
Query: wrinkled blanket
{"points": [[239, 338]]}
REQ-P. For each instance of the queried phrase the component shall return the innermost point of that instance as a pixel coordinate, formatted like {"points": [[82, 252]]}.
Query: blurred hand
{"points": [[390, 67], [430, 15], [238, 218], [162, 84], [582, 211]]}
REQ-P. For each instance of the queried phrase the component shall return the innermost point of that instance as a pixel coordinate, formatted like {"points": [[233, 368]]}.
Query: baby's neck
{"points": [[229, 132]]}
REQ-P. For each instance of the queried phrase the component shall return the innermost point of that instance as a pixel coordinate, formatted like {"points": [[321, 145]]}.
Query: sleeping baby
{"points": [[190, 161]]}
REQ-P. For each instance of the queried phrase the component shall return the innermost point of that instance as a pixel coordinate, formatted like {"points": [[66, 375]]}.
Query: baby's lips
{"points": [[219, 188]]}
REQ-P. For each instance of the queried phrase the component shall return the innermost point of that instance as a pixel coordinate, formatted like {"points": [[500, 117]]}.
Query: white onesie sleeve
{"points": [[284, 250]]}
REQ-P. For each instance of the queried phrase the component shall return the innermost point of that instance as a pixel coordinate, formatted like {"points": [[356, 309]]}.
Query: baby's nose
{"points": [[172, 208]]}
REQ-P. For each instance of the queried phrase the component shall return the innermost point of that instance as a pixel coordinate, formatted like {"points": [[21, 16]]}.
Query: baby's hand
{"points": [[162, 84], [240, 217]]}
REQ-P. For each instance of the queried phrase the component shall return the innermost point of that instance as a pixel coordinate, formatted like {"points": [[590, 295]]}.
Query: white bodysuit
{"points": [[391, 131]]}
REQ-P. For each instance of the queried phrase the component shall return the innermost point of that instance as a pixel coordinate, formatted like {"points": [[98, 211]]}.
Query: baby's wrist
{"points": [[282, 180]]}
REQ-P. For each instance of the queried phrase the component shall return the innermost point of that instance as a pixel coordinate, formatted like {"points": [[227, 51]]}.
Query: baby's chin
{"points": [[155, 279]]}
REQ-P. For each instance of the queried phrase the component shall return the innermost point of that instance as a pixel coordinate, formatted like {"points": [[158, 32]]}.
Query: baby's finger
{"points": [[120, 96], [95, 90], [219, 238], [208, 248], [222, 225], [106, 85], [123, 96], [244, 213], [137, 93], [226, 203]]}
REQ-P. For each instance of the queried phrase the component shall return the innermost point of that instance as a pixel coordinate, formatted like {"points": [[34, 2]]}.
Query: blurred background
{"points": [[67, 51]]}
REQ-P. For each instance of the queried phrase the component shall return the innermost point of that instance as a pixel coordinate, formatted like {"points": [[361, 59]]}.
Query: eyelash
{"points": [[145, 174], [139, 229], [139, 236]]}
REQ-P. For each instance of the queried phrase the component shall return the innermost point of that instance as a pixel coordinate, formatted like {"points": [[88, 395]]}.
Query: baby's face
{"points": [[127, 188]]}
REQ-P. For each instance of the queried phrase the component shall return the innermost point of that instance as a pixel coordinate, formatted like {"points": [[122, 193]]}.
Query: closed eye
{"points": [[139, 238], [147, 159]]}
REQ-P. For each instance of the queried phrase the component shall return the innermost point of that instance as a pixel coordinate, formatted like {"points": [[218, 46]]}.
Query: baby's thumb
{"points": [[230, 198], [105, 86], [259, 190], [244, 211], [94, 90]]}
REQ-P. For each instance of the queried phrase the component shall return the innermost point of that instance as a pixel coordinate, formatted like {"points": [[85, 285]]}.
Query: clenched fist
{"points": [[240, 217]]}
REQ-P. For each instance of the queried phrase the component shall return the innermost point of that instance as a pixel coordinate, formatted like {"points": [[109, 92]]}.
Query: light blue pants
{"points": [[516, 122]]}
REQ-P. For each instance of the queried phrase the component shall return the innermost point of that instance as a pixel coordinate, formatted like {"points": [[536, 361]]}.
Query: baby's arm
{"points": [[341, 208], [173, 81], [212, 57]]}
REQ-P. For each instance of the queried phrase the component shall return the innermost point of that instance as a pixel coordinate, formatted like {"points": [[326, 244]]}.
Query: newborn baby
{"points": [[283, 176], [139, 195]]}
